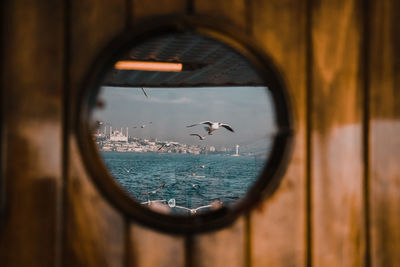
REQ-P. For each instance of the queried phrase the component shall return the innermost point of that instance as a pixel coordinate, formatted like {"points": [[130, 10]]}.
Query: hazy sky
{"points": [[248, 110]]}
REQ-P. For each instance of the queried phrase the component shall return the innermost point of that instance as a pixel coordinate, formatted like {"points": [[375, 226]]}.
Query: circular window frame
{"points": [[267, 181]]}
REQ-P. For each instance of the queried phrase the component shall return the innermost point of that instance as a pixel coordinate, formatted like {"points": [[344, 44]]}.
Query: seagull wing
{"points": [[207, 129], [144, 92], [203, 122], [161, 187], [228, 127], [161, 147], [199, 136], [154, 191]]}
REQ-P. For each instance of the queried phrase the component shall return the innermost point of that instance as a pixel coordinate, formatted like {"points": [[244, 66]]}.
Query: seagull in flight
{"points": [[193, 211], [200, 137], [212, 126], [144, 125], [144, 92], [164, 145], [128, 170], [154, 191]]}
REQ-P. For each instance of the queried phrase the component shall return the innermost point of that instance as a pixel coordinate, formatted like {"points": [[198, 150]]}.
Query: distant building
{"points": [[118, 137], [212, 149]]}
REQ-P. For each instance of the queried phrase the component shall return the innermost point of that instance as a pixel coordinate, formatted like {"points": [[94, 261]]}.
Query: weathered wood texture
{"points": [[234, 11], [37, 231], [384, 85], [221, 248], [278, 224], [166, 250], [150, 248], [336, 134], [33, 70], [95, 230], [144, 9], [225, 247]]}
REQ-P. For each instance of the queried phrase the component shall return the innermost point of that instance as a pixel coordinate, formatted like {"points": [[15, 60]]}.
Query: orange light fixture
{"points": [[148, 66]]}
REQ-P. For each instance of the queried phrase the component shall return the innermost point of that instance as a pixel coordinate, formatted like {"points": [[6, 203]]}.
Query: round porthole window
{"points": [[184, 125]]}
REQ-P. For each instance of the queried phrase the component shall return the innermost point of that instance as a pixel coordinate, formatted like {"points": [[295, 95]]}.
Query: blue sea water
{"points": [[192, 180]]}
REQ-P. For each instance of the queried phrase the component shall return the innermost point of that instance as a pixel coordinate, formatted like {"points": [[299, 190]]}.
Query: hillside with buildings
{"points": [[119, 142]]}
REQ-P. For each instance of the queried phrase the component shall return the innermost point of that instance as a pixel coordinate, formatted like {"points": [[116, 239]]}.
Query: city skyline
{"points": [[166, 113]]}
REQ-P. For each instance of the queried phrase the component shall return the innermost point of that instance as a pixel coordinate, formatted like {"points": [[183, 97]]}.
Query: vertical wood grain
{"points": [[94, 229], [145, 9], [336, 114], [155, 249], [278, 224], [226, 247], [233, 11], [32, 82], [384, 78], [147, 246]]}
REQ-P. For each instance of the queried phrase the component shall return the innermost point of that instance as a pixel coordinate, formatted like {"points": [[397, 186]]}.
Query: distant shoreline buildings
{"points": [[118, 142]]}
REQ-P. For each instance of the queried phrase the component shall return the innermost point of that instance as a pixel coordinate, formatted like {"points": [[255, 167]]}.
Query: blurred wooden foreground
{"points": [[339, 202]]}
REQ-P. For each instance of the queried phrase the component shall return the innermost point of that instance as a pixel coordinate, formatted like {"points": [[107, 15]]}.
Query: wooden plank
{"points": [[336, 121], [278, 224], [233, 11], [150, 248], [32, 80], [384, 84], [144, 9], [147, 246], [221, 248], [94, 230], [226, 247]]}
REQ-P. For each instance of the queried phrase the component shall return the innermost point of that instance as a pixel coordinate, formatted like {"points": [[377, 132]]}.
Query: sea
{"points": [[187, 183]]}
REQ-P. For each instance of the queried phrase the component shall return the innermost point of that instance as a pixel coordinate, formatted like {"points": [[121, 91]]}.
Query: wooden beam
{"points": [[155, 249], [226, 247], [278, 225], [338, 235], [95, 231], [32, 65], [384, 132]]}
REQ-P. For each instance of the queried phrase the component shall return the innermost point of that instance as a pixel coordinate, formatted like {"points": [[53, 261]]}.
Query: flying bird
{"points": [[212, 126], [193, 211], [164, 145], [144, 125], [200, 137], [144, 92], [128, 170], [154, 191]]}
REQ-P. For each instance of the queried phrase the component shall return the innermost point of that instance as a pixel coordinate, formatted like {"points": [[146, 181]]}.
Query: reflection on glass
{"points": [[184, 150]]}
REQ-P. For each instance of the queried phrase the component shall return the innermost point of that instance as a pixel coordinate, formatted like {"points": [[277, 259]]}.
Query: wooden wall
{"points": [[339, 201]]}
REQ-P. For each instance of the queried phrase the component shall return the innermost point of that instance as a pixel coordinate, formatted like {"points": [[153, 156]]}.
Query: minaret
{"points": [[110, 131], [127, 133], [121, 130]]}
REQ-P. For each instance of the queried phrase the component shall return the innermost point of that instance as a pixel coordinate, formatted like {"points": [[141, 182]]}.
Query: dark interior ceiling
{"points": [[214, 63]]}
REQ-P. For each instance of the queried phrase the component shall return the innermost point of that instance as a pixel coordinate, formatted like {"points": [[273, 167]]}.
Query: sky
{"points": [[248, 110]]}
